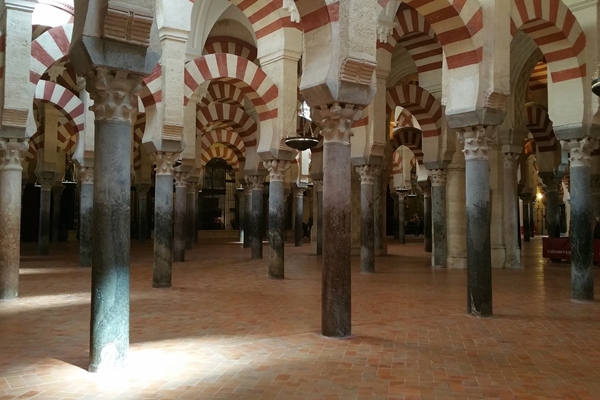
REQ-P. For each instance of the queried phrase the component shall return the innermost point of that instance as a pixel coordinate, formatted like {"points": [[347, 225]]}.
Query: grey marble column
{"points": [[368, 175], [396, 226], [582, 243], [438, 211], [378, 207], [298, 228], [427, 232], [510, 206], [57, 192], [46, 183], [86, 213], [319, 189], [552, 207], [142, 199], [179, 223], [401, 193], [190, 213], [479, 258], [256, 182], [109, 327], [163, 219], [276, 170], [336, 313], [595, 194], [247, 215], [240, 196], [526, 221], [11, 173]]}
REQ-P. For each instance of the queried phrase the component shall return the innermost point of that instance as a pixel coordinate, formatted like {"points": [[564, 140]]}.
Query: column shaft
{"points": [[320, 220], [276, 229], [553, 213], [582, 244], [427, 243], [163, 230], [142, 216], [247, 217], [378, 206], [44, 225], [526, 225], [438, 210], [86, 212], [298, 225], [190, 214], [256, 219], [179, 224], [401, 219], [56, 200], [510, 207], [457, 215], [369, 174]]}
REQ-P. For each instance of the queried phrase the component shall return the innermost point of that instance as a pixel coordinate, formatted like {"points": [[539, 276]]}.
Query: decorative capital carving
{"points": [[337, 120], [10, 153], [256, 182], [511, 160], [318, 185], [114, 94], [46, 182], [580, 151], [300, 193], [247, 190], [181, 178], [86, 175], [476, 143], [164, 162], [290, 6], [356, 70], [276, 169], [368, 173], [402, 193], [438, 177], [385, 29]]}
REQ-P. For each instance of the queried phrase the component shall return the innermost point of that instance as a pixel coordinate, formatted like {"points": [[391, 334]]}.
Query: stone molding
{"points": [[114, 94], [164, 162], [86, 175], [318, 184], [439, 177], [129, 24], [181, 178], [277, 169], [11, 153], [256, 182], [580, 151], [368, 173], [300, 193], [476, 143], [511, 160], [336, 125]]}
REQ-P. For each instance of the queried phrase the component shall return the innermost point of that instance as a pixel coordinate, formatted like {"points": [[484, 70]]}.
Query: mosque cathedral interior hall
{"points": [[299, 199]]}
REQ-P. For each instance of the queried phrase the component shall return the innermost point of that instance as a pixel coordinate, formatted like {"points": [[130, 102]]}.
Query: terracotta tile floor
{"points": [[224, 331]]}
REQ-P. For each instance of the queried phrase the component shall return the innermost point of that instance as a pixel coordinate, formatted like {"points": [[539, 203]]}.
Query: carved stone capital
{"points": [[580, 151], [439, 177], [290, 6], [11, 152], [385, 29], [368, 173], [247, 190], [86, 175], [256, 182], [46, 182], [114, 94], [318, 184], [300, 193], [402, 193], [337, 120], [164, 162], [181, 178], [476, 143], [276, 169], [511, 160]]}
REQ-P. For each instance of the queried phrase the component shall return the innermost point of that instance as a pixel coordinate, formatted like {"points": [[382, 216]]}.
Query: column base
{"points": [[161, 285], [457, 263], [512, 264], [498, 257]]}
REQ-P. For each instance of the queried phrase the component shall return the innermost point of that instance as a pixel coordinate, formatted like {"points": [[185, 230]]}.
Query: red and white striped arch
{"points": [[66, 138], [405, 119], [139, 126], [539, 124], [152, 88], [556, 31], [228, 115], [396, 163], [416, 35], [411, 138], [66, 101], [221, 92], [539, 77], [221, 151], [426, 109], [231, 45], [50, 47], [227, 138], [238, 71]]}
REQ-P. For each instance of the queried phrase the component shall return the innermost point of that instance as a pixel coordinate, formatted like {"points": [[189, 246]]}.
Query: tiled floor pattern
{"points": [[224, 331]]}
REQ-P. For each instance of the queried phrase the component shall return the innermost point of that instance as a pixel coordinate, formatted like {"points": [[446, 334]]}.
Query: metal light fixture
{"points": [[303, 140]]}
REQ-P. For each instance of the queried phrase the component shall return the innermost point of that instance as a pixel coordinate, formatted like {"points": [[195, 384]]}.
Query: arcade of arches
{"points": [[144, 142]]}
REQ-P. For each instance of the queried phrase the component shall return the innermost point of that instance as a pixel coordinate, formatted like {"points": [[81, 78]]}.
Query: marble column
{"points": [[582, 243], [319, 189], [402, 194], [190, 213], [86, 213], [438, 211], [247, 215], [142, 199], [57, 192], [531, 206], [179, 223], [396, 226], [256, 183], [336, 313], [457, 213], [595, 194], [526, 221], [286, 196], [427, 242], [510, 206], [240, 196], [378, 210], [479, 258], [163, 219], [46, 183], [277, 169], [368, 175], [115, 102], [298, 223], [552, 207], [11, 172]]}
